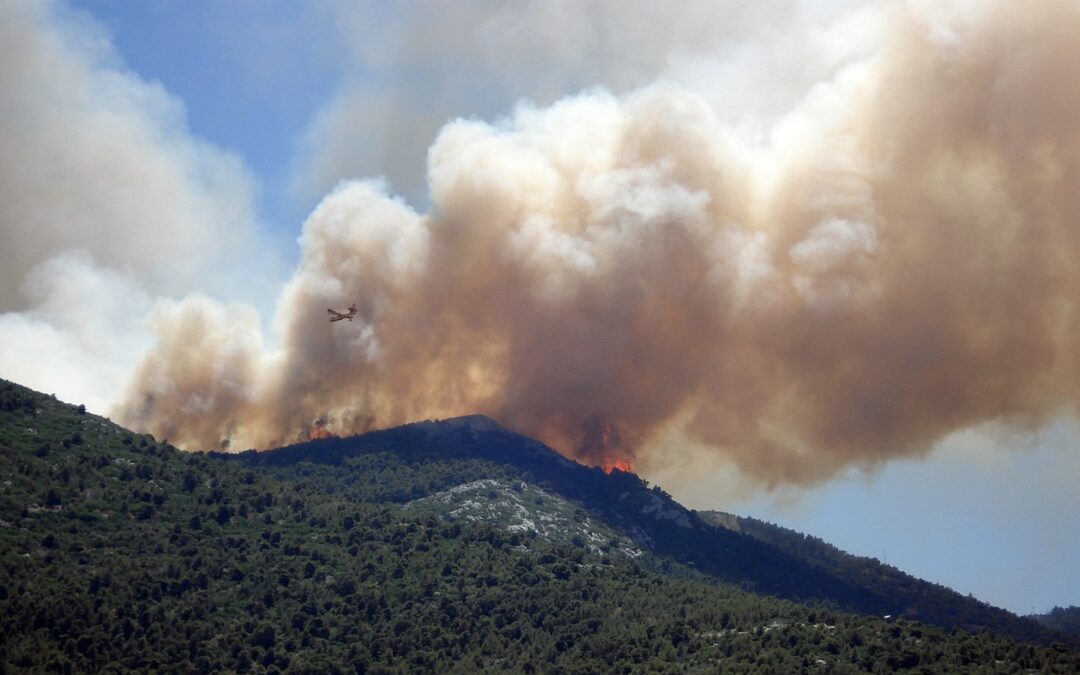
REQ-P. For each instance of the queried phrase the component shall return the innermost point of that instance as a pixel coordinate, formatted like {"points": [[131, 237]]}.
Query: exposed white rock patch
{"points": [[518, 507]]}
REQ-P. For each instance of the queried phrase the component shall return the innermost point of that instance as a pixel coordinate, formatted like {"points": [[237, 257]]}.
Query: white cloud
{"points": [[97, 159], [106, 201]]}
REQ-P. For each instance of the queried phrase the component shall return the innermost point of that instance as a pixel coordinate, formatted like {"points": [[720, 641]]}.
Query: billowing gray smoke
{"points": [[899, 262]]}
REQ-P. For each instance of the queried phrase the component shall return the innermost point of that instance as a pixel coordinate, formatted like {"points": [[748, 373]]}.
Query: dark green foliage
{"points": [[921, 600], [765, 564], [150, 559], [1064, 619], [14, 398]]}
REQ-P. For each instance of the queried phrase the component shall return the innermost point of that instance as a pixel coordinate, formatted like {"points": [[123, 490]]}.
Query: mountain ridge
{"points": [[120, 553], [655, 520]]}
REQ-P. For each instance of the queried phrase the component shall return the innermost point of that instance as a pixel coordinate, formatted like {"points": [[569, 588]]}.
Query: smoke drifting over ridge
{"points": [[899, 263]]}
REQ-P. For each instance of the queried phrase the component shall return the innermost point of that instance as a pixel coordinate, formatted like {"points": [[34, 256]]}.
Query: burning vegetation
{"points": [[624, 465], [603, 446], [318, 431]]}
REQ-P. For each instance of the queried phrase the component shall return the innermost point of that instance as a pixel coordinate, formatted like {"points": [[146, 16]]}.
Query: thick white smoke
{"points": [[898, 262], [106, 201], [434, 61]]}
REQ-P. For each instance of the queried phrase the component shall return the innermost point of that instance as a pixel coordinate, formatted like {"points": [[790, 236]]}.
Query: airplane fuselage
{"points": [[338, 316]]}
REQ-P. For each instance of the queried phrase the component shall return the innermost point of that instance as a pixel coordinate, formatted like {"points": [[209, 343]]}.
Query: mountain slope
{"points": [[119, 553], [517, 507], [918, 599], [754, 557], [1064, 619]]}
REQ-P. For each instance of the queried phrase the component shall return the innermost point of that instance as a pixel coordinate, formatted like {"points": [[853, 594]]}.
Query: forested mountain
{"points": [[919, 599], [757, 557], [414, 549], [1063, 619]]}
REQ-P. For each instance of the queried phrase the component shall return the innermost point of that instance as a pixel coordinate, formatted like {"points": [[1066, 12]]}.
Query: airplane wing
{"points": [[338, 316]]}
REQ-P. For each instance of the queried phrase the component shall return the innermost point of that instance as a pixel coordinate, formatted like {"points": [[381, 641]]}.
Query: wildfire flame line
{"points": [[624, 465]]}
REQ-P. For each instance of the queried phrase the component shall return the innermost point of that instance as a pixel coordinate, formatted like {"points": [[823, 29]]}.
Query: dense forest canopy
{"points": [[122, 553]]}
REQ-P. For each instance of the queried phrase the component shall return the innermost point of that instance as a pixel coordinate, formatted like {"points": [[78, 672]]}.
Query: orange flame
{"points": [[607, 441], [318, 431], [624, 465]]}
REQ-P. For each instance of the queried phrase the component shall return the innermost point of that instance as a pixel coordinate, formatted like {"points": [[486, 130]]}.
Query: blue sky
{"points": [[252, 76], [293, 97]]}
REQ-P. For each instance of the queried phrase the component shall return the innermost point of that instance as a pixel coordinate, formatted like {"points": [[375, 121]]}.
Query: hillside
{"points": [[916, 598], [1063, 619], [754, 557], [121, 553]]}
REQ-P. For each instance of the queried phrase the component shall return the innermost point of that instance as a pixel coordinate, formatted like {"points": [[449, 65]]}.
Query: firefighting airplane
{"points": [[338, 316]]}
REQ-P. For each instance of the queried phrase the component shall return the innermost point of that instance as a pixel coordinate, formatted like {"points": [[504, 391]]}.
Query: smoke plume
{"points": [[899, 261], [106, 201]]}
